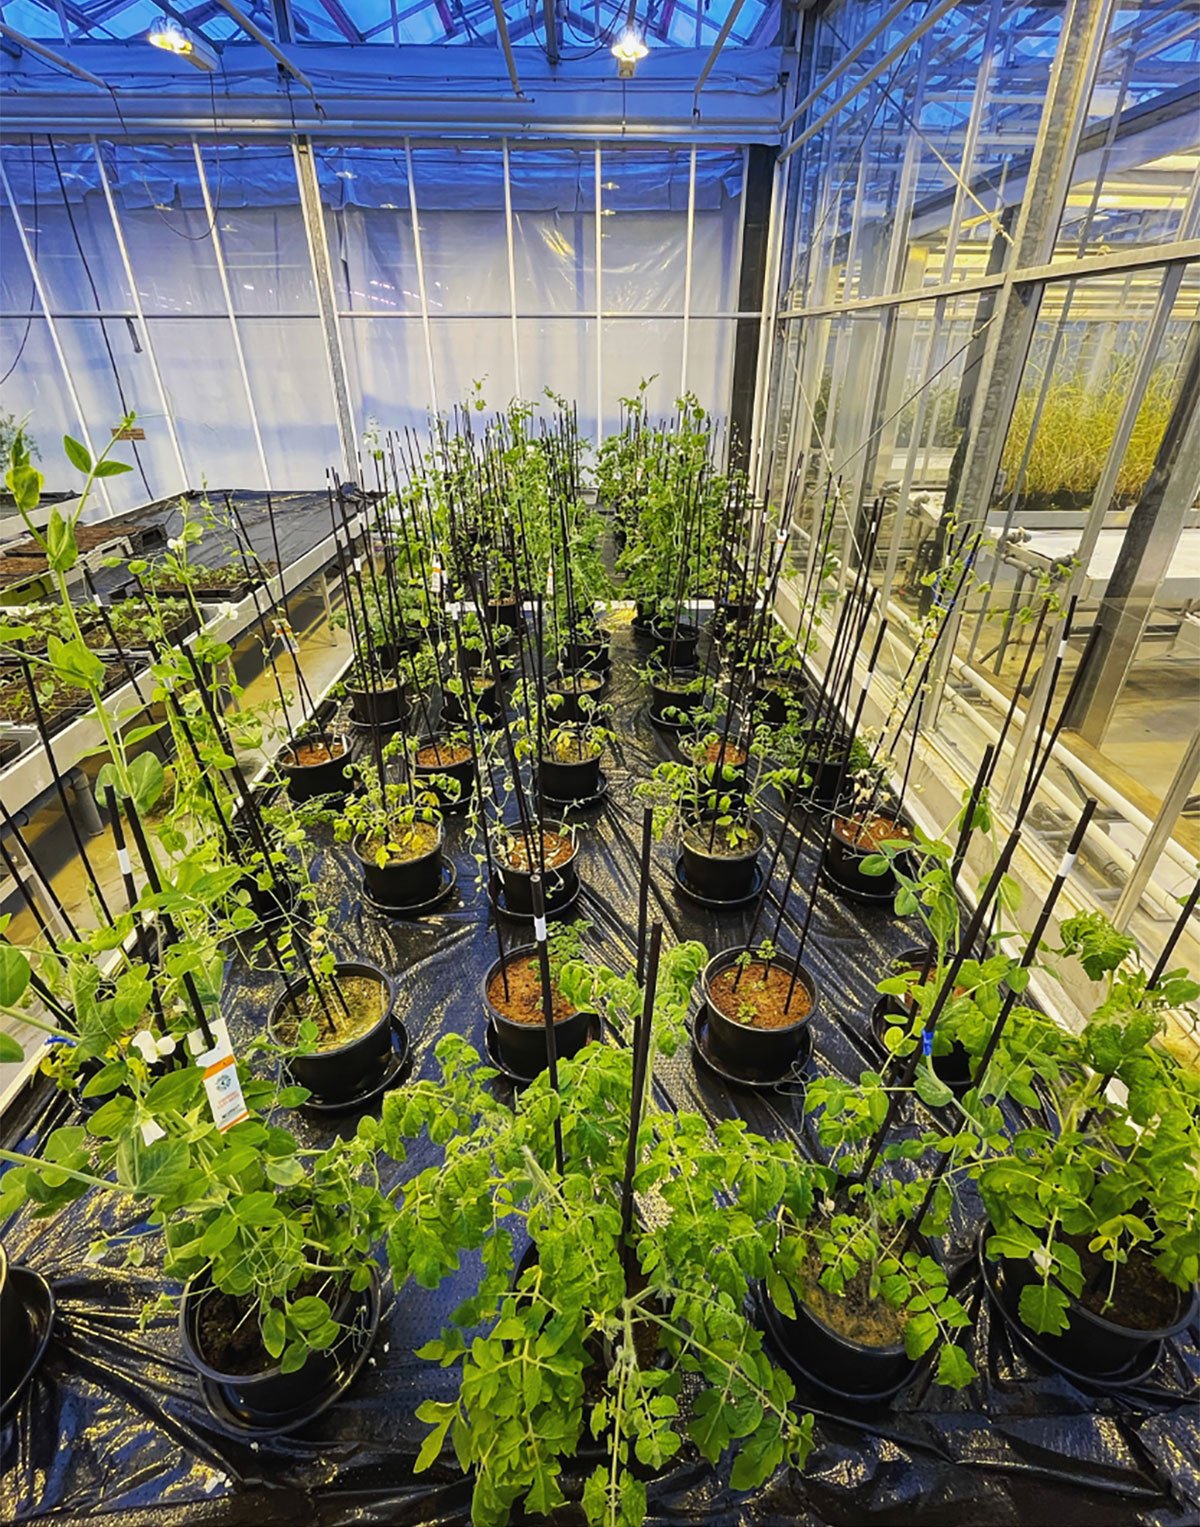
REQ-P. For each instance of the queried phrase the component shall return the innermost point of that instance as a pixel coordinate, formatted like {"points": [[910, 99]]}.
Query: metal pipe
{"points": [[52, 57], [885, 63], [280, 57], [734, 11], [506, 44]]}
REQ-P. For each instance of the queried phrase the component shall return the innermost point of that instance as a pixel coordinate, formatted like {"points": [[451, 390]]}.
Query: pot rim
{"points": [[436, 849], [721, 858], [1186, 1305], [396, 687], [437, 737], [559, 829], [574, 763], [726, 957], [519, 951], [192, 1348], [334, 737], [347, 967]]}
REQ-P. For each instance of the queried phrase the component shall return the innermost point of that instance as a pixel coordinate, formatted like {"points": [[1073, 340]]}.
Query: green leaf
{"points": [[146, 778], [954, 1370], [1043, 1308], [78, 455], [932, 1091], [14, 976], [61, 551], [10, 1050], [274, 1332], [112, 468]]}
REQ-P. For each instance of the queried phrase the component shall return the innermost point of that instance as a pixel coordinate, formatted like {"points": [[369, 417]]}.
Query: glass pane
{"points": [[387, 372], [368, 226], [289, 376]]}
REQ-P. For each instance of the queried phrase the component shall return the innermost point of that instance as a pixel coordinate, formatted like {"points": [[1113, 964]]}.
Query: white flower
{"points": [[1042, 1260], [227, 611], [175, 543]]}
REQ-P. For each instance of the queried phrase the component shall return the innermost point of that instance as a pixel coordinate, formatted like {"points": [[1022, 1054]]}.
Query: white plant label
{"points": [[284, 631], [221, 1081]]}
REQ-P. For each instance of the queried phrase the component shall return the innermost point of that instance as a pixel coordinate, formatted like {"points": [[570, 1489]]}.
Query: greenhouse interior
{"points": [[600, 763]]}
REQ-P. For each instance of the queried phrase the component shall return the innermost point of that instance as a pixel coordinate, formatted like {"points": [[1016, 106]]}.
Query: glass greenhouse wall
{"points": [[181, 281], [987, 317]]}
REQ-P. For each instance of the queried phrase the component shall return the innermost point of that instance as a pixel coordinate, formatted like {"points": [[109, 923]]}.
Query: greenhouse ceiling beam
{"points": [[726, 27], [260, 36], [51, 56], [506, 45]]}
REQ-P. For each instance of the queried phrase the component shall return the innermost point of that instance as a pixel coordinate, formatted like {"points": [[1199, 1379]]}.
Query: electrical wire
{"points": [[32, 283], [210, 231], [87, 269]]}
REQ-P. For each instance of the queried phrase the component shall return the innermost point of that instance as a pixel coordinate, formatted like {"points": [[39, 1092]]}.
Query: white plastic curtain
{"points": [[206, 322]]}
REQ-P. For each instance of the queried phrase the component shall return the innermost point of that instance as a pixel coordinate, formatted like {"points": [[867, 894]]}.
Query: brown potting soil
{"points": [[365, 1000], [577, 683], [556, 848], [414, 842], [731, 754], [228, 1332], [1141, 1298], [304, 754], [853, 1314], [701, 837], [870, 835], [523, 1004], [762, 989], [572, 751], [442, 755]]}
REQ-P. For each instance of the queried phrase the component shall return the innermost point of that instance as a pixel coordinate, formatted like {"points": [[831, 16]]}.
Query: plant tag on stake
{"points": [[221, 1081], [283, 629]]}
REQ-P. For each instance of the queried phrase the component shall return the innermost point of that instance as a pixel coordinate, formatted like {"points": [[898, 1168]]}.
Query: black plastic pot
{"points": [[504, 612], [770, 701], [340, 1074], [306, 781], [271, 902], [485, 701], [558, 884], [391, 654], [668, 694], [953, 1067], [17, 1336], [734, 615], [463, 772], [843, 865], [1091, 1344], [567, 697], [576, 781], [384, 707], [260, 1398], [403, 882], [719, 876], [824, 764], [523, 1045], [725, 779], [744, 1048], [675, 644], [591, 656], [844, 1367]]}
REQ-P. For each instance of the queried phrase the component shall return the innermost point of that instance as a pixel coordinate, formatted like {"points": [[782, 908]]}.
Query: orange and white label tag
{"points": [[221, 1081]]}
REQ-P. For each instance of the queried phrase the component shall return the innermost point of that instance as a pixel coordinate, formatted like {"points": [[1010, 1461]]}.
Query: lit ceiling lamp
{"points": [[172, 38], [630, 47]]}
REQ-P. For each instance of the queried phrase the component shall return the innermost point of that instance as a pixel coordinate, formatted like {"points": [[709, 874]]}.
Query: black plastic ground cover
{"points": [[113, 1426]]}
